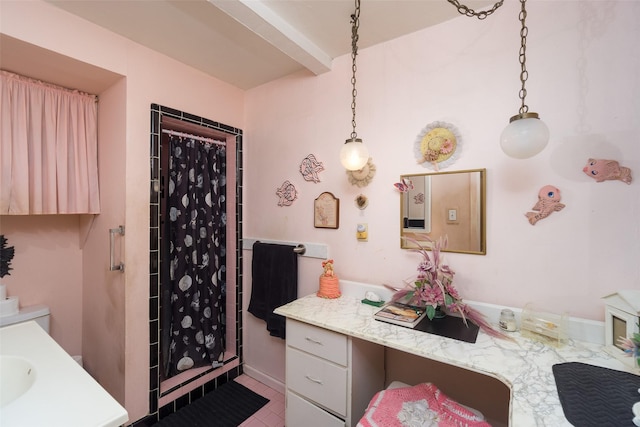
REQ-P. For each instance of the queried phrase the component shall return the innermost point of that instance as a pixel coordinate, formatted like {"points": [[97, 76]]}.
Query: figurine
{"points": [[328, 268], [329, 283], [548, 202], [602, 170]]}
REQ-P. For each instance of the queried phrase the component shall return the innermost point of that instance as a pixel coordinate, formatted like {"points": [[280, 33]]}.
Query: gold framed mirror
{"points": [[445, 203]]}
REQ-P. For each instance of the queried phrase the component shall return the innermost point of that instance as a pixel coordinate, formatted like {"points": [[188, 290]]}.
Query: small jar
{"points": [[507, 320]]}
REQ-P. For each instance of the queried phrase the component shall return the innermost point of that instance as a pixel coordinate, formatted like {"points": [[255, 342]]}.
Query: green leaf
{"points": [[448, 300], [431, 311]]}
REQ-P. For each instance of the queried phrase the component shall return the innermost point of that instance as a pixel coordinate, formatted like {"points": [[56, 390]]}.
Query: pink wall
{"points": [[583, 66], [150, 78], [47, 269], [103, 326]]}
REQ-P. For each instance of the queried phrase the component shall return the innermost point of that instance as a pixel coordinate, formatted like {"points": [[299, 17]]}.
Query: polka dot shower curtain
{"points": [[196, 253]]}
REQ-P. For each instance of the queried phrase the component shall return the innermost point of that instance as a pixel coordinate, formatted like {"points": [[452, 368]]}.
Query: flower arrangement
{"points": [[433, 288], [631, 346], [6, 255]]}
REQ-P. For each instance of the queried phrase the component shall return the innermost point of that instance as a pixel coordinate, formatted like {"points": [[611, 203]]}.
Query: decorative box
{"points": [[622, 314], [548, 328]]}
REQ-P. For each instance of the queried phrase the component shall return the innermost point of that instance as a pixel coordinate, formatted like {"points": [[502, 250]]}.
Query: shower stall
{"points": [[195, 257]]}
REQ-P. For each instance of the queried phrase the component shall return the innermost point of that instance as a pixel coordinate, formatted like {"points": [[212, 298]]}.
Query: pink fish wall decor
{"points": [[604, 170], [548, 202]]}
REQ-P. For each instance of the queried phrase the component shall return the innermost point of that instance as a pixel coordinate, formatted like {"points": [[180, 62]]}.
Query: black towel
{"points": [[274, 283]]}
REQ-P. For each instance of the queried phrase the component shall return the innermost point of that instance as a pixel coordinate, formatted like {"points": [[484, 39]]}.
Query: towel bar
{"points": [[308, 250]]}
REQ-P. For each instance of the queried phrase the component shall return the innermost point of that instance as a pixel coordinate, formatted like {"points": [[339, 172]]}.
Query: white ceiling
{"points": [[250, 42]]}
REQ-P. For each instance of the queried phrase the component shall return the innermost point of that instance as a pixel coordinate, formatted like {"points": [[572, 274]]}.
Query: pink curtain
{"points": [[48, 148]]}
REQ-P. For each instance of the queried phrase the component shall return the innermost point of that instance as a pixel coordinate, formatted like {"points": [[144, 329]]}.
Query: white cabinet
{"points": [[330, 377]]}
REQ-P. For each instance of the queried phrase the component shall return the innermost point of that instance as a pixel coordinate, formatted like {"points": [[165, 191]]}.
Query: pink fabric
{"points": [[48, 148], [423, 405]]}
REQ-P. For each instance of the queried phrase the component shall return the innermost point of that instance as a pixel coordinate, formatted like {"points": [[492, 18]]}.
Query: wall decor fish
{"points": [[548, 202], [604, 170]]}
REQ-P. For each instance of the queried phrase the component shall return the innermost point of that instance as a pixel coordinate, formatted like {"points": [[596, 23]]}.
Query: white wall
{"points": [[583, 62]]}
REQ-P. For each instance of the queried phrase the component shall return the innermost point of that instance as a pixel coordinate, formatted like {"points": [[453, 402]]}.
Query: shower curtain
{"points": [[196, 254]]}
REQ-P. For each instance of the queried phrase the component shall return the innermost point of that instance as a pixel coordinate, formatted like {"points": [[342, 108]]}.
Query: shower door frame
{"points": [[168, 396]]}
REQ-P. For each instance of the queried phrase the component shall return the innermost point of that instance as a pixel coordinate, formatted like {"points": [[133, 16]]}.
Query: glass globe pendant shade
{"points": [[354, 154], [525, 136]]}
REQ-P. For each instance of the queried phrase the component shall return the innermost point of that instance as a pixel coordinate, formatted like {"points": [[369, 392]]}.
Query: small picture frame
{"points": [[618, 324], [326, 211], [622, 314]]}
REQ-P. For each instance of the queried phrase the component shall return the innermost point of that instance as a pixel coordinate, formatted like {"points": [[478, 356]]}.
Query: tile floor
{"points": [[271, 414]]}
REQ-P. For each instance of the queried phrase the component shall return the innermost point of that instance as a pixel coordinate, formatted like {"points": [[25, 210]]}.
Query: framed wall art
{"points": [[326, 211]]}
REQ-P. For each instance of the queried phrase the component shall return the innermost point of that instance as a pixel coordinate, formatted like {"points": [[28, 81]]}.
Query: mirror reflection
{"points": [[445, 203]]}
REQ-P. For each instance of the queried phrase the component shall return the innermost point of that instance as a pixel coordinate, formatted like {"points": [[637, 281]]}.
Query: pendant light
{"points": [[526, 135], [354, 154]]}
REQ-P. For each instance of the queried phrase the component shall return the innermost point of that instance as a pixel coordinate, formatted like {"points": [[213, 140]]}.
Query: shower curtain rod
{"points": [[196, 137]]}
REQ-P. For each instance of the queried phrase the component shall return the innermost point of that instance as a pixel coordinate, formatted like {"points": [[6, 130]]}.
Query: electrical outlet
{"points": [[362, 232], [452, 215]]}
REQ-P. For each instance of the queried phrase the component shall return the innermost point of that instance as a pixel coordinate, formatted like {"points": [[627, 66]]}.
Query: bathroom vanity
{"points": [[333, 370], [523, 365]]}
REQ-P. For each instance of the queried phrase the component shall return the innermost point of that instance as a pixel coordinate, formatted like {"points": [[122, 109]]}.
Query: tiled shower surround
{"points": [[155, 413]]}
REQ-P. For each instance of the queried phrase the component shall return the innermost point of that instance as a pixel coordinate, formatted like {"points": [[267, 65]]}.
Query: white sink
{"points": [[41, 385], [18, 375]]}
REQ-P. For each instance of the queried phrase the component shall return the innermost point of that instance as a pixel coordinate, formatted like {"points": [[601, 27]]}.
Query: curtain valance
{"points": [[48, 148]]}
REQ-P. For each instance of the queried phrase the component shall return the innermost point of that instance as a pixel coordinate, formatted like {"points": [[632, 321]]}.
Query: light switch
{"points": [[453, 215], [362, 232]]}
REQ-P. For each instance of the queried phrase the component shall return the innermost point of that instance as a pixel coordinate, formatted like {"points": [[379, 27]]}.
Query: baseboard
{"points": [[264, 378]]}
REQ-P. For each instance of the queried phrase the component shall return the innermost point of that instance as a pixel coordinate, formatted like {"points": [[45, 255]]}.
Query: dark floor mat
{"points": [[227, 406], [592, 396]]}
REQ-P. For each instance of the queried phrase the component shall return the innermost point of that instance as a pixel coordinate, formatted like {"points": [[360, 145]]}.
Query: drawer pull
{"points": [[313, 341], [315, 380]]}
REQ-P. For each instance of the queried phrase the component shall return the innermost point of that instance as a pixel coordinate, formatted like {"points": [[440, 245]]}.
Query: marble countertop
{"points": [[63, 394], [524, 365]]}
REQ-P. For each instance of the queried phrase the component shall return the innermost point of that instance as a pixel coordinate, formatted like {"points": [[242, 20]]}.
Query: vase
{"points": [[440, 313]]}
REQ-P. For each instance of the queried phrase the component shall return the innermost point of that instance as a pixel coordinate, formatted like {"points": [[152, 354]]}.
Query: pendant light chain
{"points": [[355, 21], [464, 10], [524, 75]]}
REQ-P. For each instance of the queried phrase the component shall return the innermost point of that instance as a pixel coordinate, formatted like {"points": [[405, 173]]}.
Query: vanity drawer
{"points": [[302, 413], [320, 342], [323, 382]]}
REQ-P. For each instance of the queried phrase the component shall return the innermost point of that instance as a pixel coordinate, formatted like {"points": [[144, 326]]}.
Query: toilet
{"points": [[39, 313]]}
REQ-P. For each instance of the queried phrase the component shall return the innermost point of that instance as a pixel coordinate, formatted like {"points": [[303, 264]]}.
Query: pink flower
{"points": [[431, 295], [451, 290], [627, 345], [426, 266], [447, 146], [434, 288]]}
